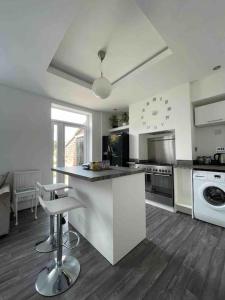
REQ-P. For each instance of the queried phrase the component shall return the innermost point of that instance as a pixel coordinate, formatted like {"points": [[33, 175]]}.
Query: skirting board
{"points": [[171, 209], [183, 209]]}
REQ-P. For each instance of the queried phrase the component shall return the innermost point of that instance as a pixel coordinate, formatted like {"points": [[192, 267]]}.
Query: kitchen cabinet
{"points": [[113, 220], [210, 114], [183, 189]]}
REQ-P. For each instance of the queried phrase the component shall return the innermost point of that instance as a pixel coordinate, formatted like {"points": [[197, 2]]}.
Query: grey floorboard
{"points": [[181, 259]]}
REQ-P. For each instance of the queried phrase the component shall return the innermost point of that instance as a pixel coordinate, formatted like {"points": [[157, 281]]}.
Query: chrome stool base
{"points": [[47, 246], [54, 280]]}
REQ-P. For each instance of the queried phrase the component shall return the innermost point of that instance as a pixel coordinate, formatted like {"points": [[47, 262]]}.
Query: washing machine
{"points": [[209, 197]]}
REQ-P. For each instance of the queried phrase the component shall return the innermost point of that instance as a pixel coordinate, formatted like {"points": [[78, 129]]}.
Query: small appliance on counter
{"points": [[220, 158], [86, 166], [131, 164], [97, 165], [204, 160], [217, 159]]}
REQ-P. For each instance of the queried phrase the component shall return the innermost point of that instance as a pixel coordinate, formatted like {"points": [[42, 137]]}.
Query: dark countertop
{"points": [[113, 172], [220, 168], [183, 164], [190, 165]]}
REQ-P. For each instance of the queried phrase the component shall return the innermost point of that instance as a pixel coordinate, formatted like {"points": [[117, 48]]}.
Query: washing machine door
{"points": [[214, 195]]}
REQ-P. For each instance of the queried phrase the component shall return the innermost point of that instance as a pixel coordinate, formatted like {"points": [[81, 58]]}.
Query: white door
{"points": [[70, 139], [69, 147]]}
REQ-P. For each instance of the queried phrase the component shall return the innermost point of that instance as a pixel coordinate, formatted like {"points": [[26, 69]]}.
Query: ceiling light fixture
{"points": [[101, 86]]}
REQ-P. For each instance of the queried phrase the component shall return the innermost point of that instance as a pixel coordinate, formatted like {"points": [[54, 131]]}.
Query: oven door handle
{"points": [[164, 175], [148, 173]]}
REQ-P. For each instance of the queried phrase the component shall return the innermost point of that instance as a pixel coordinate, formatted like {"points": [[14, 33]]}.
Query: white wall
{"points": [[183, 189], [105, 123], [25, 132], [101, 126], [179, 119], [207, 139], [96, 147]]}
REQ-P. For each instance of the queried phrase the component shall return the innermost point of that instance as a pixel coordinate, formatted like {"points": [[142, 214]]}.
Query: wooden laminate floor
{"points": [[180, 259]]}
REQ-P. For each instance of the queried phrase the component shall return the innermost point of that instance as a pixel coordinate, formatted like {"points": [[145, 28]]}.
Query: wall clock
{"points": [[156, 113]]}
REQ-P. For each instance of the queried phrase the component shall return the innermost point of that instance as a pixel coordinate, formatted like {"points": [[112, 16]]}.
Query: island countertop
{"points": [[89, 175]]}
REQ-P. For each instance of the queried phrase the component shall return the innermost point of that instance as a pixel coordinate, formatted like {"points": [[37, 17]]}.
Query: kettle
{"points": [[220, 158]]}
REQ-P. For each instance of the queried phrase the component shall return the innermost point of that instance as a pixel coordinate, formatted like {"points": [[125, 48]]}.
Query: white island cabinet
{"points": [[114, 220]]}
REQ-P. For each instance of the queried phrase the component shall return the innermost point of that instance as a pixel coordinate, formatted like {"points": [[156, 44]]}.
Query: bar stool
{"points": [[61, 273], [49, 244]]}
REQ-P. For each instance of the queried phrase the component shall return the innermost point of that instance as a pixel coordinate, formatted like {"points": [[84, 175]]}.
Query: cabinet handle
{"points": [[163, 175], [215, 120]]}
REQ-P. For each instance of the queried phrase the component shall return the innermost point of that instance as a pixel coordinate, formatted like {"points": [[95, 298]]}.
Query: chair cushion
{"points": [[59, 206]]}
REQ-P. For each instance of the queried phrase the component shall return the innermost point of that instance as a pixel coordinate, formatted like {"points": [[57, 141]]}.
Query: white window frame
{"points": [[61, 137]]}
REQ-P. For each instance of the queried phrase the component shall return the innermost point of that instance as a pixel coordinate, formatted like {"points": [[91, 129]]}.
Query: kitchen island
{"points": [[114, 219]]}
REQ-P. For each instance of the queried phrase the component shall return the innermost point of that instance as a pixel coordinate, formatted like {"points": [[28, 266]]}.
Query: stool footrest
{"points": [[69, 242]]}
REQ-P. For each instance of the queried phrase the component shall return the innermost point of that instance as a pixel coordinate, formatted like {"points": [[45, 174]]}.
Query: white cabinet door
{"points": [[183, 189], [210, 114]]}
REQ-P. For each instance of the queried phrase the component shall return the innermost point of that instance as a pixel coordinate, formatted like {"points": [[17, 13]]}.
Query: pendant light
{"points": [[101, 86]]}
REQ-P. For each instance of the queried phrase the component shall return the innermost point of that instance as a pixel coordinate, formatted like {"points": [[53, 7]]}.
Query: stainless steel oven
{"points": [[159, 186]]}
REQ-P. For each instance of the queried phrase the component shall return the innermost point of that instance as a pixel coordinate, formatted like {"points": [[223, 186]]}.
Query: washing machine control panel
{"points": [[216, 177], [209, 176]]}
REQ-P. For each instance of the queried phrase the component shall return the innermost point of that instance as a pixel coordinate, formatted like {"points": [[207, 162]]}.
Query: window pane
{"points": [[67, 116], [74, 146], [55, 150]]}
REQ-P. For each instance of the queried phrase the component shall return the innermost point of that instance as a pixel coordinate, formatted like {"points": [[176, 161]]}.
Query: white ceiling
{"points": [[120, 27], [31, 33]]}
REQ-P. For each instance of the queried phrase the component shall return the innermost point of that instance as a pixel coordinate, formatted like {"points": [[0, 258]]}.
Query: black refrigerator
{"points": [[115, 148]]}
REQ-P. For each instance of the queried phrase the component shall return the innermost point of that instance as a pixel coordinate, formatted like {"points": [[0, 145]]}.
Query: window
{"points": [[68, 116], [70, 139], [55, 150]]}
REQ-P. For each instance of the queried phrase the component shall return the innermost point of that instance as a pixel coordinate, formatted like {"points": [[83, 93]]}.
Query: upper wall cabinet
{"points": [[210, 114]]}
